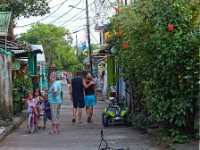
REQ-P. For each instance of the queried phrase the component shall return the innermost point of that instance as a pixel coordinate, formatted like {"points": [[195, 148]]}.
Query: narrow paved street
{"points": [[85, 136]]}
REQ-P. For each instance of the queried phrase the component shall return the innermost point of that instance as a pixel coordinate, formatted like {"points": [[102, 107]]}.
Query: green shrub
{"points": [[140, 120], [22, 85], [162, 64]]}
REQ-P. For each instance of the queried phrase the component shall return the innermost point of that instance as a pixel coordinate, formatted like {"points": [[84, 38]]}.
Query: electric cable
{"points": [[80, 18], [71, 18], [95, 38], [75, 15], [65, 13], [49, 1], [50, 9], [61, 4]]}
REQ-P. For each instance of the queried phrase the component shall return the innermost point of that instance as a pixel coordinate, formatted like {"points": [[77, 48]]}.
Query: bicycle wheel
{"points": [[31, 124]]}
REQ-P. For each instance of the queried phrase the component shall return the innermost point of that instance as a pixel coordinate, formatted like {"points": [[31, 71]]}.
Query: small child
{"points": [[39, 99], [47, 112], [31, 103]]}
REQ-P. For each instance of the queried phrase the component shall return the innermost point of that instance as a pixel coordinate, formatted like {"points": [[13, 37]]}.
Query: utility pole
{"points": [[125, 2], [88, 35]]}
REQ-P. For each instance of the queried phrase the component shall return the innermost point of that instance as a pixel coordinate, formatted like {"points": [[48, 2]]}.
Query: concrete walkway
{"points": [[85, 136]]}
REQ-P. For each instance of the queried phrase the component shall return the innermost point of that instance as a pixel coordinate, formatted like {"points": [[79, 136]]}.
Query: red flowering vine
{"points": [[120, 24], [121, 32], [170, 28], [125, 45], [117, 10]]}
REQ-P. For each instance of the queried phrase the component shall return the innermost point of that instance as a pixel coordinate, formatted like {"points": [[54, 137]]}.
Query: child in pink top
{"points": [[31, 103]]}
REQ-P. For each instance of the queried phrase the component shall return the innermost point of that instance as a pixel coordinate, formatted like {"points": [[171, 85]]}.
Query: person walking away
{"points": [[47, 112], [76, 91], [39, 99], [90, 97], [54, 97]]}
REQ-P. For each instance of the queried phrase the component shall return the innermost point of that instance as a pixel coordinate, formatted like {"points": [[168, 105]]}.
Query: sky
{"points": [[73, 19]]}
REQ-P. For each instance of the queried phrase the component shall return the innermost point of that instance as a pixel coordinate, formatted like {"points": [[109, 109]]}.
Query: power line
{"points": [[69, 20], [79, 18], [74, 16], [95, 38], [61, 4], [77, 31], [65, 13], [49, 1]]}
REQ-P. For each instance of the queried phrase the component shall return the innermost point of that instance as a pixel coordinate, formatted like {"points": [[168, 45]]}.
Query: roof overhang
{"points": [[100, 25], [19, 50]]}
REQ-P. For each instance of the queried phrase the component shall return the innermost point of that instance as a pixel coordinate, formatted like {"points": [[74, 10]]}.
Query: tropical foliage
{"points": [[22, 84], [158, 48], [25, 8], [56, 43]]}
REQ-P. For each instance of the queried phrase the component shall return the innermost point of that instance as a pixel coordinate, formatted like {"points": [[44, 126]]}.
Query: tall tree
{"points": [[25, 8], [56, 42]]}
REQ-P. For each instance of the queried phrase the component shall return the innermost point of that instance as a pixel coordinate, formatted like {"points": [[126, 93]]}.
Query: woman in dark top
{"points": [[90, 97]]}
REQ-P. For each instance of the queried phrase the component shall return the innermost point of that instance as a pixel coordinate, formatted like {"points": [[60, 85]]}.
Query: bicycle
{"points": [[106, 147], [31, 121]]}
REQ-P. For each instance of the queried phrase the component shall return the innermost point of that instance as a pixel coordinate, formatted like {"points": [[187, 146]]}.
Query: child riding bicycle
{"points": [[31, 104]]}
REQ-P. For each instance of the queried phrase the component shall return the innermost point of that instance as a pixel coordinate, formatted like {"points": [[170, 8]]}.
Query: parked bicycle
{"points": [[106, 144]]}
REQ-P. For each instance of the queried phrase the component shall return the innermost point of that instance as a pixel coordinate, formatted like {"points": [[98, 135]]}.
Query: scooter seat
{"points": [[111, 98]]}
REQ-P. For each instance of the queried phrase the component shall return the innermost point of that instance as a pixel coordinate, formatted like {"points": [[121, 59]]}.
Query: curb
{"points": [[13, 126]]}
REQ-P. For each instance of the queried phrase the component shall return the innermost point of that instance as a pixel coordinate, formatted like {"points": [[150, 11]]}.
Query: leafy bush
{"points": [[140, 120], [21, 86], [162, 58]]}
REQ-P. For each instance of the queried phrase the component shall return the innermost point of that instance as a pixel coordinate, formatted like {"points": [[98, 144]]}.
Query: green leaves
{"points": [[25, 8], [161, 63], [56, 43]]}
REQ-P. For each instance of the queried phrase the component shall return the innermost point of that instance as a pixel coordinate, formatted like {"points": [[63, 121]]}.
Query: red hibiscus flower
{"points": [[170, 28], [117, 10], [125, 45], [121, 32]]}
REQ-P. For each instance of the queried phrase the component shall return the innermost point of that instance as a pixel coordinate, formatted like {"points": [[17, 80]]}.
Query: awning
{"points": [[18, 49]]}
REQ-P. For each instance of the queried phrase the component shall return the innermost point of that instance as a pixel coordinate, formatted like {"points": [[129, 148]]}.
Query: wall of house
{"points": [[6, 104]]}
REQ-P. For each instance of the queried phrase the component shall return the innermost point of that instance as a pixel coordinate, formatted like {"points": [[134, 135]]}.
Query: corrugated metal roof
{"points": [[19, 49], [4, 23]]}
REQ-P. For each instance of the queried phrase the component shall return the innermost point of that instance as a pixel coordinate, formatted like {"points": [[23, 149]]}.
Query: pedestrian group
{"points": [[82, 94]]}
